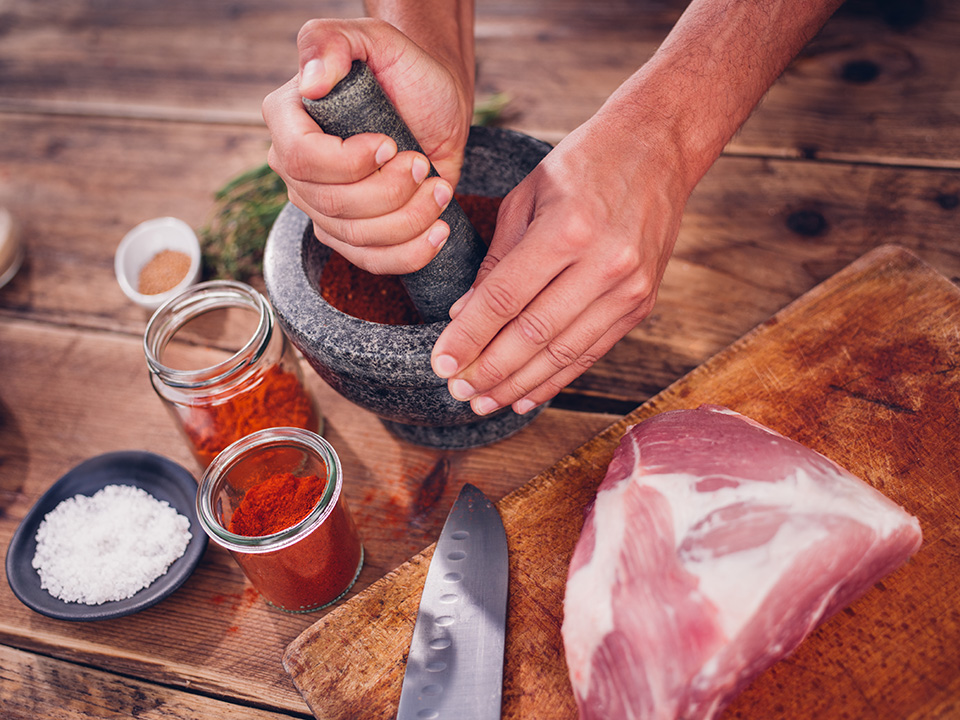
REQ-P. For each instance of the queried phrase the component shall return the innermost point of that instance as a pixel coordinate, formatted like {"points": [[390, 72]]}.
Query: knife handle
{"points": [[357, 104]]}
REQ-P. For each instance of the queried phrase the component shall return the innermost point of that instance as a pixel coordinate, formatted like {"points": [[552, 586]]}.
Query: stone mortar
{"points": [[386, 368]]}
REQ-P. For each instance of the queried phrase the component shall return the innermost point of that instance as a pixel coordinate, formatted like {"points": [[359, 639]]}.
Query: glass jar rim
{"points": [[267, 439], [193, 302]]}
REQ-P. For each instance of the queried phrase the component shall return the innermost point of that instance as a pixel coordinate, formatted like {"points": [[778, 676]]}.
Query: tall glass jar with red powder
{"points": [[251, 500], [224, 368]]}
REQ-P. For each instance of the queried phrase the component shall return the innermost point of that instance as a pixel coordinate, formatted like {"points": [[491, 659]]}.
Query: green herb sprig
{"points": [[244, 211]]}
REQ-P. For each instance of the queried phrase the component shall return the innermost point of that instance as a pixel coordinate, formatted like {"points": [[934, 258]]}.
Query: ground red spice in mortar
{"points": [[382, 298]]}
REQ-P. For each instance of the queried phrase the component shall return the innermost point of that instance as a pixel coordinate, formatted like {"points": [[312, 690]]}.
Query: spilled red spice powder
{"points": [[238, 601], [281, 501], [382, 298]]}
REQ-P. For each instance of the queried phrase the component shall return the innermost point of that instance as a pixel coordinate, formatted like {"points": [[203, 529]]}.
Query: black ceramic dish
{"points": [[162, 478]]}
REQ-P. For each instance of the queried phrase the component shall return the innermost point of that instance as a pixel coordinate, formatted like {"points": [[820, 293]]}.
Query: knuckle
{"points": [[395, 195], [307, 30], [489, 371], [353, 234], [534, 328], [487, 265], [639, 292], [466, 335], [357, 165], [499, 299], [329, 203], [296, 164], [586, 361], [579, 228], [561, 355], [412, 226], [623, 262], [273, 160], [547, 389], [516, 388]]}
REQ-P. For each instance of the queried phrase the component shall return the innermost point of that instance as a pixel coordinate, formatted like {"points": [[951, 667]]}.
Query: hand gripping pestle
{"points": [[357, 104]]}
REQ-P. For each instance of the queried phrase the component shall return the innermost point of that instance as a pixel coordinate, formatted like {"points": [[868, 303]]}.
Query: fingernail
{"points": [[444, 365], [312, 73], [386, 151], [461, 389], [438, 235], [484, 405], [442, 194], [523, 406], [458, 305], [420, 169]]}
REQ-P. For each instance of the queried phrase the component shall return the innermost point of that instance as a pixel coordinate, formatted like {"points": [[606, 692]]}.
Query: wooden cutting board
{"points": [[865, 368]]}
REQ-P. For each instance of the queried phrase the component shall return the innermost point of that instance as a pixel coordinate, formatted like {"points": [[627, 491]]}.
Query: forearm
{"points": [[444, 28], [712, 70]]}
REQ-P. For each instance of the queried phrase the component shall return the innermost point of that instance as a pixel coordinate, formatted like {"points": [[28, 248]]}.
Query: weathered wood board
{"points": [[865, 368], [82, 693]]}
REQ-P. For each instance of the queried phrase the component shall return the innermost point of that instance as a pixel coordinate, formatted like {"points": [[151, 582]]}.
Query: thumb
{"points": [[325, 58]]}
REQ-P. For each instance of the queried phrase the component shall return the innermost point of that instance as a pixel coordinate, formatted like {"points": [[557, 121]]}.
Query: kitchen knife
{"points": [[455, 665]]}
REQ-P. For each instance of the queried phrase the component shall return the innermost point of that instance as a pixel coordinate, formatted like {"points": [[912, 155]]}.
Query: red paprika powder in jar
{"points": [[274, 500], [257, 386]]}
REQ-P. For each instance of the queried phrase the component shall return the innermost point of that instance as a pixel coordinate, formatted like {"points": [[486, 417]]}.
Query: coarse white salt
{"points": [[109, 545]]}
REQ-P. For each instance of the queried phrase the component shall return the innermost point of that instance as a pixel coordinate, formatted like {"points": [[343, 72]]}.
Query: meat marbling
{"points": [[714, 547]]}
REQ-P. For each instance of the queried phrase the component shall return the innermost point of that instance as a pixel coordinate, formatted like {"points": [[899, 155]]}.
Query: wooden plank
{"points": [[868, 89], [78, 186], [756, 234], [209, 57], [871, 86], [30, 685], [78, 393], [864, 369]]}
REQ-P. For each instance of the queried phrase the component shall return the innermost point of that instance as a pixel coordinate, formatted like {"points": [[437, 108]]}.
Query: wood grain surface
{"points": [[865, 368], [112, 113]]}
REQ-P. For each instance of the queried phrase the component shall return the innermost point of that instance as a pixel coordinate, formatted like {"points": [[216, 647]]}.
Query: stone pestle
{"points": [[357, 104]]}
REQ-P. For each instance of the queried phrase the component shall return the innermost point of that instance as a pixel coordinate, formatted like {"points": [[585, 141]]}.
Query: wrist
{"points": [[444, 29], [711, 72]]}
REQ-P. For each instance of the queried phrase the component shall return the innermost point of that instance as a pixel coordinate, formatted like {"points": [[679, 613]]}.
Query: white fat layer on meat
{"points": [[737, 583], [589, 591]]}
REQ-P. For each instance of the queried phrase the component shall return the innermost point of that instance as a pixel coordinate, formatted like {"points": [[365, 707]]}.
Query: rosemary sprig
{"points": [[491, 109], [244, 211]]}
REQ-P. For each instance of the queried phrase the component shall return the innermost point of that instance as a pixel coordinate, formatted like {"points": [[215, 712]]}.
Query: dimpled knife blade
{"points": [[455, 665]]}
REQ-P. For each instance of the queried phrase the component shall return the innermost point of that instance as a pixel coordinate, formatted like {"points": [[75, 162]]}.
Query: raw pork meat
{"points": [[714, 547]]}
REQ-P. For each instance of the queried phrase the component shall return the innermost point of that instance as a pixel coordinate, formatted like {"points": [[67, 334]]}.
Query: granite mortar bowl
{"points": [[386, 368]]}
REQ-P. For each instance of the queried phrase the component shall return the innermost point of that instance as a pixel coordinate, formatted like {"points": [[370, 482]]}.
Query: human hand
{"points": [[374, 206], [582, 243], [576, 261]]}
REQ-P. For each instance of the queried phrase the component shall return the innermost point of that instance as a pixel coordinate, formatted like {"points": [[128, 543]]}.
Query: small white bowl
{"points": [[140, 245]]}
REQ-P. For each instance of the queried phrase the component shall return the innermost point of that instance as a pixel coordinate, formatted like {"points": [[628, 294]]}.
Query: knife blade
{"points": [[455, 665]]}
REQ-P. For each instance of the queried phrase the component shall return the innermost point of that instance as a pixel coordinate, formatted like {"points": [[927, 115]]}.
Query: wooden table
{"points": [[112, 113]]}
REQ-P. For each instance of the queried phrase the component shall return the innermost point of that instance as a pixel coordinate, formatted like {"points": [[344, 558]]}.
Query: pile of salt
{"points": [[108, 546]]}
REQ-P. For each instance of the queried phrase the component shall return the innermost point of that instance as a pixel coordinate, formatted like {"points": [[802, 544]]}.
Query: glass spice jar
{"points": [[222, 400], [265, 477]]}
